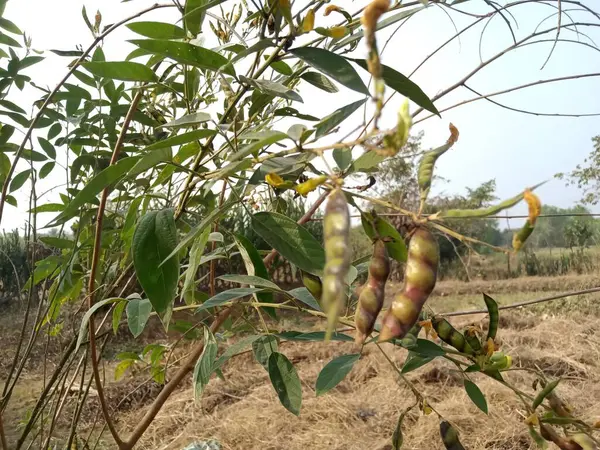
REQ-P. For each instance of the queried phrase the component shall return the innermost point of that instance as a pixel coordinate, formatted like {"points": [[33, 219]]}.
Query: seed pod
{"points": [[451, 335], [313, 284], [310, 185], [419, 280], [450, 436], [371, 297], [558, 406], [521, 236], [331, 8], [551, 435], [336, 228], [425, 173], [473, 340]]}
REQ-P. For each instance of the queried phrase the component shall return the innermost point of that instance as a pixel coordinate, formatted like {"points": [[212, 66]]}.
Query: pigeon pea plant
{"points": [[153, 153]]}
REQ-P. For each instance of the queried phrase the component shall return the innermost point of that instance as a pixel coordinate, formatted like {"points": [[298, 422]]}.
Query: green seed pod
{"points": [[473, 340], [521, 236], [336, 228], [451, 335], [425, 172], [313, 284], [419, 280], [371, 297], [450, 436]]}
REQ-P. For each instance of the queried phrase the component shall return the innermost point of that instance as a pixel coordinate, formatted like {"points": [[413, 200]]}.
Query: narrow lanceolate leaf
{"points": [[286, 382], [303, 294], [320, 81], [332, 65], [19, 180], [263, 347], [138, 312], [186, 53], [397, 438], [272, 88], [117, 314], [292, 241], [271, 137], [157, 30], [235, 349], [204, 366], [394, 243], [154, 239], [194, 262], [47, 147], [227, 296], [250, 279], [189, 120], [476, 395], [403, 85], [86, 318], [183, 138], [414, 361], [367, 162], [334, 372], [194, 15], [484, 212], [89, 192], [336, 118], [121, 70]]}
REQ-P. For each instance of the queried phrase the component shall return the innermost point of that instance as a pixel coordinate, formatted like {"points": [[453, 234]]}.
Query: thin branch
{"points": [[94, 267], [527, 303], [558, 28], [516, 88], [2, 436], [50, 96]]}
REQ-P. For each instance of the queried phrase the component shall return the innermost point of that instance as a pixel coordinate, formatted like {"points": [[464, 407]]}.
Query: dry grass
{"points": [[243, 412]]}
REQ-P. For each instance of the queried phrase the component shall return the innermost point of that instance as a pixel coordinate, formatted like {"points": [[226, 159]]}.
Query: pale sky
{"points": [[517, 150]]}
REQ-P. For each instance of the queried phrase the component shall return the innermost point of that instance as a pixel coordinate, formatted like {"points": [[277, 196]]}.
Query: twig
{"points": [[517, 216], [558, 28], [50, 96], [2, 436], [94, 267], [527, 303]]}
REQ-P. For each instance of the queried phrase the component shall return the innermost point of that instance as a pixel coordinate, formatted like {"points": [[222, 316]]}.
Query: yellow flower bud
{"points": [[310, 185], [274, 180], [309, 21], [331, 8]]}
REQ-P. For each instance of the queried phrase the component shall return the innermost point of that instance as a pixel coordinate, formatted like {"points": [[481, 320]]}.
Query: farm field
{"points": [[242, 411]]}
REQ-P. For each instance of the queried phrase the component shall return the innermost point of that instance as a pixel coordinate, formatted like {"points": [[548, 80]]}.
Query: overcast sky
{"points": [[517, 150]]}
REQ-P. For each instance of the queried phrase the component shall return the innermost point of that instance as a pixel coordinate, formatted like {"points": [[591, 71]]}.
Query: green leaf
{"points": [[476, 395], [32, 155], [286, 382], [320, 81], [191, 272], [313, 336], [122, 367], [9, 26], [291, 112], [182, 138], [89, 192], [235, 349], [57, 242], [149, 161], [154, 239], [334, 372], [47, 147], [303, 294], [272, 88], [390, 20], [204, 366], [282, 68], [46, 169], [260, 45], [121, 70], [292, 241], [194, 15], [336, 118], [263, 347], [342, 157], [157, 30], [48, 207], [428, 348], [186, 53], [367, 162], [86, 318], [544, 393], [537, 438], [414, 361], [117, 314], [270, 137], [227, 296], [397, 438], [19, 180], [332, 65], [255, 266], [7, 40], [394, 244], [249, 279], [188, 121], [138, 313], [403, 85]]}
